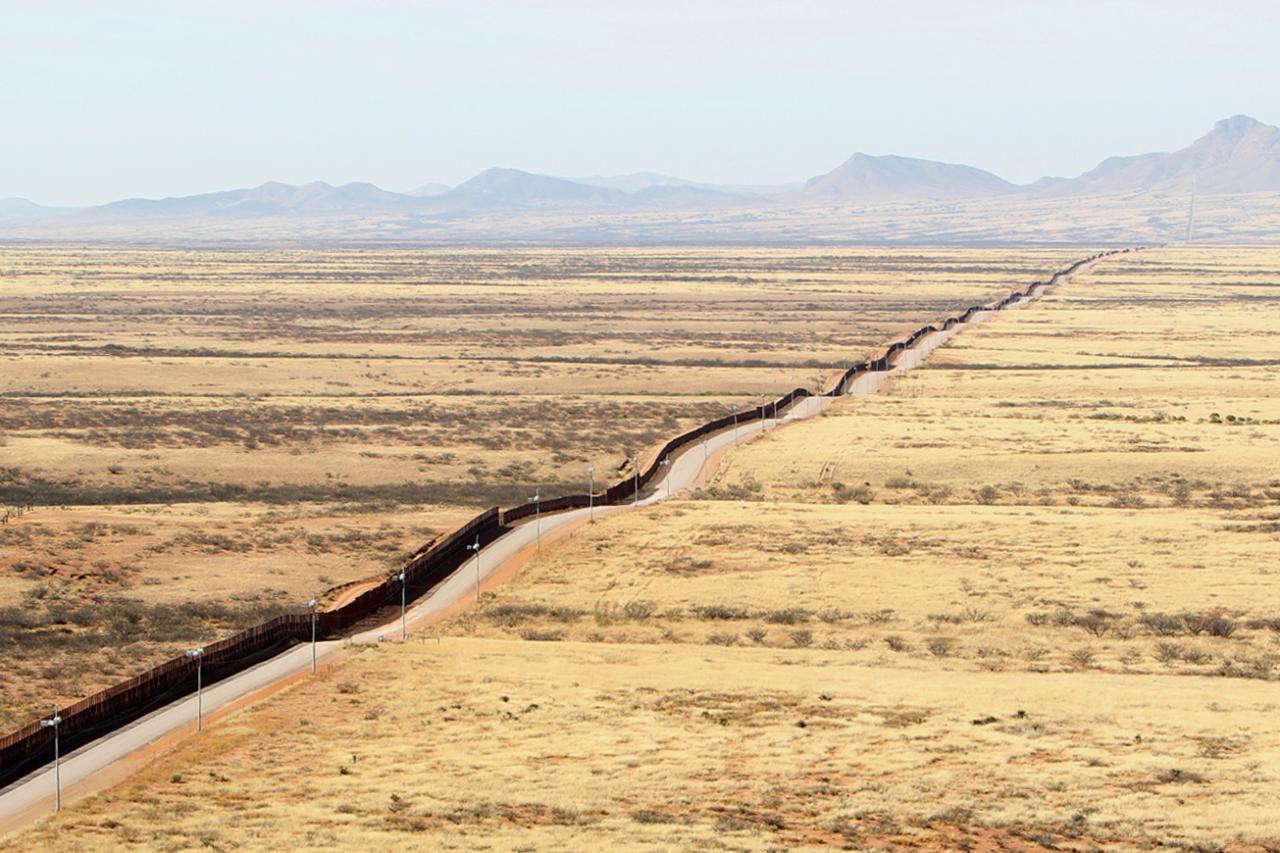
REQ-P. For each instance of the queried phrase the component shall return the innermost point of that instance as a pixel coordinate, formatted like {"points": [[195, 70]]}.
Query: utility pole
{"points": [[55, 721], [198, 656]]}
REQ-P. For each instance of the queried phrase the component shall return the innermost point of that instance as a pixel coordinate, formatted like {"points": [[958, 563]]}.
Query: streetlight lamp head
{"points": [[311, 605], [195, 653], [52, 721]]}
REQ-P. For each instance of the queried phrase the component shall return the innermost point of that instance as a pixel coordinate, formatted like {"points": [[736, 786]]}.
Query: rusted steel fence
{"points": [[30, 747]]}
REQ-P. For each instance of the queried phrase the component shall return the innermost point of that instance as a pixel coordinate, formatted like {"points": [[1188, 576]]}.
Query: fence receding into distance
{"points": [[30, 747]]}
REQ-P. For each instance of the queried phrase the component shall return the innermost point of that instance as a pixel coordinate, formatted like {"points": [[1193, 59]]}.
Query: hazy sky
{"points": [[107, 100]]}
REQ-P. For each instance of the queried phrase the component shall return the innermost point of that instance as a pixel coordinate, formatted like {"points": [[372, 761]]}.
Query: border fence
{"points": [[31, 746]]}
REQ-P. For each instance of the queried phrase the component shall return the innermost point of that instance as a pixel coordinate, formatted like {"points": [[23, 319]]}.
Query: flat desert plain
{"points": [[210, 438], [1025, 599]]}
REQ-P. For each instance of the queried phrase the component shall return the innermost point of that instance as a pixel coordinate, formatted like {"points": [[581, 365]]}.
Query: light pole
{"points": [[704, 459], [54, 722], [536, 500], [404, 628], [733, 411], [635, 463], [198, 656], [763, 411], [666, 463], [591, 493], [476, 548], [312, 605]]}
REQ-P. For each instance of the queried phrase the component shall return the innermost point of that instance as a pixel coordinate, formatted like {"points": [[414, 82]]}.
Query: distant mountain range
{"points": [[638, 181], [494, 188], [864, 179], [270, 199], [20, 208], [1239, 155], [428, 190]]}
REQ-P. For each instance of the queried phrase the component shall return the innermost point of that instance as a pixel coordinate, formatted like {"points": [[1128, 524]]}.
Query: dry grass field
{"points": [[481, 744], [1024, 600], [209, 437]]}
